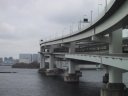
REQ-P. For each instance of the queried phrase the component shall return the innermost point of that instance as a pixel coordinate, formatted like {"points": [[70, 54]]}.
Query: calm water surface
{"points": [[28, 82]]}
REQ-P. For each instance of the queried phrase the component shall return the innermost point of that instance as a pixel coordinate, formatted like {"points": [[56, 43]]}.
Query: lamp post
{"points": [[91, 17], [63, 33], [79, 25], [71, 28], [99, 8], [81, 22]]}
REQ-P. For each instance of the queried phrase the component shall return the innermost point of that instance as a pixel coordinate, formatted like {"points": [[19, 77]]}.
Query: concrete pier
{"points": [[72, 75], [42, 69], [114, 87], [115, 45]]}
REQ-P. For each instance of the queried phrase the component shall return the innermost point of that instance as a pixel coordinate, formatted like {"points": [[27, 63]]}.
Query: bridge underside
{"points": [[101, 43], [112, 60]]}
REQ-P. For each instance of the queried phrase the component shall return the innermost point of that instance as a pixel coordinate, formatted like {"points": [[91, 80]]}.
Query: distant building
{"points": [[25, 58], [8, 61], [35, 58], [29, 58], [1, 61]]}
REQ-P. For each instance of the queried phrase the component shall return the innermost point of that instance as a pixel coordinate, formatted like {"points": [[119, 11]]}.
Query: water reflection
{"points": [[27, 82]]}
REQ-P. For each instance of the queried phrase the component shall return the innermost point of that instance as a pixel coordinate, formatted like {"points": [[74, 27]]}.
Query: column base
{"points": [[42, 70], [113, 89], [106, 78], [78, 73], [71, 78], [54, 72]]}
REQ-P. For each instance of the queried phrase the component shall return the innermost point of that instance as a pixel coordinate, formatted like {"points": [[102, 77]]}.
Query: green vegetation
{"points": [[32, 65]]}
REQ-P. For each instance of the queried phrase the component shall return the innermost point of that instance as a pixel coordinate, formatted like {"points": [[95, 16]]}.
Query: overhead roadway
{"points": [[115, 17]]}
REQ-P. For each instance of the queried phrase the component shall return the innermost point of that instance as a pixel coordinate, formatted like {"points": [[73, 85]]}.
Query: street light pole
{"points": [[91, 17], [71, 28], [63, 33], [99, 8], [106, 3], [80, 24]]}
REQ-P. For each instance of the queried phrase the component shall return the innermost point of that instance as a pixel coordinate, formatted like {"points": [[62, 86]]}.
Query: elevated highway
{"points": [[115, 17], [101, 43]]}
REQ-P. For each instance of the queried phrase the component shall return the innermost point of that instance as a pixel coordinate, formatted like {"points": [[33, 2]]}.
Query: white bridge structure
{"points": [[101, 43]]}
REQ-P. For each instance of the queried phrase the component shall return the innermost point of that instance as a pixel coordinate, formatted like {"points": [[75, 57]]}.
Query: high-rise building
{"points": [[29, 58], [35, 58], [8, 61], [25, 58]]}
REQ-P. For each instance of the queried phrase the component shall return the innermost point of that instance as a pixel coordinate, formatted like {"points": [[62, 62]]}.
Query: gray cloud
{"points": [[24, 22]]}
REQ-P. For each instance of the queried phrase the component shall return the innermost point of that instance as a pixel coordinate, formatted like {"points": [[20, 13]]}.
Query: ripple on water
{"points": [[28, 82]]}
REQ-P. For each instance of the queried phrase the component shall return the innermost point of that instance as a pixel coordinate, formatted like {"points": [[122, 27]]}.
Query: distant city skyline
{"points": [[28, 58], [8, 61], [23, 23], [22, 57]]}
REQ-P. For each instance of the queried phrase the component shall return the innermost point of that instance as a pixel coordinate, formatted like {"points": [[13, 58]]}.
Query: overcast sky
{"points": [[24, 22]]}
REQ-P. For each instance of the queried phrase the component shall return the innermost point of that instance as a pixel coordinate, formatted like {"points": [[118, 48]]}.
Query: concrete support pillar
{"points": [[106, 76], [71, 67], [114, 87], [60, 64], [42, 60], [51, 71], [51, 57], [77, 68], [115, 45], [42, 63], [51, 61], [115, 75], [72, 75], [42, 57], [72, 47]]}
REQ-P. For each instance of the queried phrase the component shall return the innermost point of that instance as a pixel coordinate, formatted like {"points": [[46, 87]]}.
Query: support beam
{"points": [[72, 47], [71, 67], [100, 38], [115, 75], [51, 71], [114, 87], [115, 45], [51, 57], [72, 75], [42, 63], [70, 63]]}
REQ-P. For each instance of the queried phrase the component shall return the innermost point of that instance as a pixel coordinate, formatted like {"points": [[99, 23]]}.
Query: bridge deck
{"points": [[116, 60]]}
